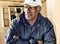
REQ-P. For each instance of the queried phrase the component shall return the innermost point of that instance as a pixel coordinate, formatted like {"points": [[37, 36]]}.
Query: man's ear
{"points": [[38, 9]]}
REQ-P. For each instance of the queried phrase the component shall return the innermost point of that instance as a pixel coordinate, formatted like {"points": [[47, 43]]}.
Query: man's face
{"points": [[30, 12]]}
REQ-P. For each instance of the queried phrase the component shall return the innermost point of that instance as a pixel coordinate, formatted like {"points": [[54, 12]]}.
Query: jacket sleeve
{"points": [[11, 31], [49, 35]]}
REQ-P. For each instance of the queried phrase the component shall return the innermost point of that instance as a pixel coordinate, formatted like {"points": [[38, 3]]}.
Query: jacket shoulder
{"points": [[46, 24], [46, 21]]}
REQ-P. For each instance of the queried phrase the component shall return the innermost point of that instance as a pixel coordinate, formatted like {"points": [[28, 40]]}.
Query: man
{"points": [[31, 27]]}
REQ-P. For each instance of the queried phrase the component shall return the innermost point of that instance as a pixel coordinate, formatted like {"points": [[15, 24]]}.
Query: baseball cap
{"points": [[32, 2]]}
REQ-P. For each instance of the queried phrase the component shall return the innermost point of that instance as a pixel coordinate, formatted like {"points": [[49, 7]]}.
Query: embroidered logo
{"points": [[34, 0]]}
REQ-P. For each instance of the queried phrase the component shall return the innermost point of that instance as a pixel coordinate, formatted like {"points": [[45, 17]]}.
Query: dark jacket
{"points": [[41, 30]]}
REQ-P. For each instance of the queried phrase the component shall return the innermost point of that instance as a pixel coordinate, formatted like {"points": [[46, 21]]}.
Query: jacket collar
{"points": [[24, 20]]}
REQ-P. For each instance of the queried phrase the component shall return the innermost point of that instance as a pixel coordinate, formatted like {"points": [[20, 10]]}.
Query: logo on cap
{"points": [[34, 0]]}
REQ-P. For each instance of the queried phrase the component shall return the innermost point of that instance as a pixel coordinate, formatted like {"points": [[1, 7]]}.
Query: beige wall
{"points": [[1, 16], [58, 20], [53, 13]]}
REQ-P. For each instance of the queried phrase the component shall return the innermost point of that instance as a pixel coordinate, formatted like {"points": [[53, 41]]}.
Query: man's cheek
{"points": [[25, 9]]}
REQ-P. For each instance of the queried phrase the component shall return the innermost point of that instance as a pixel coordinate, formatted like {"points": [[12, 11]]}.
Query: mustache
{"points": [[27, 13]]}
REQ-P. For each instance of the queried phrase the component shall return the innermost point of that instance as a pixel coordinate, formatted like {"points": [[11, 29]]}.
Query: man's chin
{"points": [[28, 18]]}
